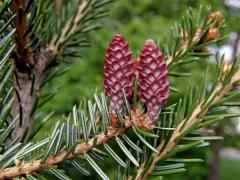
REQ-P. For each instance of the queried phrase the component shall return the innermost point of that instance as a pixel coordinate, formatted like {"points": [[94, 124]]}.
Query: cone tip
{"points": [[119, 36], [151, 43]]}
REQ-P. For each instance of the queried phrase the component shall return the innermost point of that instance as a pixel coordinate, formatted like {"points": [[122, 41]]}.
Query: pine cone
{"points": [[118, 72], [153, 85]]}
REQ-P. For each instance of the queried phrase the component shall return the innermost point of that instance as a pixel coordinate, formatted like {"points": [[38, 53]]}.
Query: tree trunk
{"points": [[27, 88]]}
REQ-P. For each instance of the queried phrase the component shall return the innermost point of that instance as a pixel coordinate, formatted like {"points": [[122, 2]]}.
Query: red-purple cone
{"points": [[153, 85], [118, 72]]}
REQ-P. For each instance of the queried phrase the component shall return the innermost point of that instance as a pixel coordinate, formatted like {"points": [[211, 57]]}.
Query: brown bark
{"points": [[24, 97], [27, 86], [23, 56], [29, 69]]}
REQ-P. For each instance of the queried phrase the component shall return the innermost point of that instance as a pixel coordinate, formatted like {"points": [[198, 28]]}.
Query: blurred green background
{"points": [[137, 21]]}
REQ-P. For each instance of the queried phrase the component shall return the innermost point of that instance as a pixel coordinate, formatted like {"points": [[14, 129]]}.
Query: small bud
{"points": [[141, 120], [217, 17], [17, 162], [212, 34]]}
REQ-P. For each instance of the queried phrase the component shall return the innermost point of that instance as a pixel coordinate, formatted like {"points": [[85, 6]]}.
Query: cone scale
{"points": [[118, 72], [153, 85]]}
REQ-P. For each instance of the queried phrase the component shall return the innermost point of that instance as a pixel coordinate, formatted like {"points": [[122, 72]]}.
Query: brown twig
{"points": [[172, 143], [23, 168], [140, 170], [114, 130], [67, 30], [185, 44], [23, 53]]}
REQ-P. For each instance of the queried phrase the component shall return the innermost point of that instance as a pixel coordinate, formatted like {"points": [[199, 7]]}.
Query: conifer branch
{"points": [[58, 43], [218, 93], [114, 130], [23, 168], [184, 47], [193, 39]]}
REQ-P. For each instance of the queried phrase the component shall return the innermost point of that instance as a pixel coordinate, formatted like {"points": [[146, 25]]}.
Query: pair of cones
{"points": [[120, 71]]}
